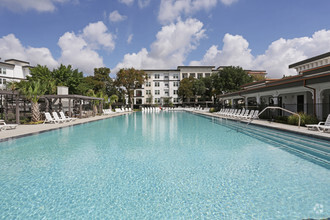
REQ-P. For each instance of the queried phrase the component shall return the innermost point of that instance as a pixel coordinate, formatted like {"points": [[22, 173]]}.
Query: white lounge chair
{"points": [[55, 115], [321, 125], [249, 115], [49, 118], [67, 118], [241, 114], [237, 113], [5, 126], [233, 113], [255, 115]]}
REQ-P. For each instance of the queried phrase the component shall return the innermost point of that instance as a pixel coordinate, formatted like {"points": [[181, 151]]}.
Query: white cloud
{"points": [[276, 59], [235, 52], [228, 2], [127, 2], [173, 43], [38, 5], [80, 50], [97, 35], [170, 10], [75, 51], [130, 38], [116, 17], [143, 3], [11, 48]]}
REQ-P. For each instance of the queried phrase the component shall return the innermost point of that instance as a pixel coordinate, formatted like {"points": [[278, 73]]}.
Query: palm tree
{"points": [[33, 90], [113, 99]]}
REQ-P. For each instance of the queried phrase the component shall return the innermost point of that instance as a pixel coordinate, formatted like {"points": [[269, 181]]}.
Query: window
{"points": [[148, 76], [184, 75], [157, 92], [166, 93], [156, 84], [175, 100], [199, 75], [2, 81], [156, 76], [166, 76], [157, 100], [175, 76], [175, 84], [166, 85], [148, 84], [175, 92], [148, 92], [192, 75], [3, 71], [207, 74]]}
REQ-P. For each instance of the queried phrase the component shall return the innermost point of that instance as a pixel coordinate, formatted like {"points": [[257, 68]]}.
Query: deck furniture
{"points": [[49, 118], [321, 125], [67, 118], [55, 115], [5, 126]]}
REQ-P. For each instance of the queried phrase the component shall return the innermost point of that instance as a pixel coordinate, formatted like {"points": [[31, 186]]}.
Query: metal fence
{"points": [[309, 109]]}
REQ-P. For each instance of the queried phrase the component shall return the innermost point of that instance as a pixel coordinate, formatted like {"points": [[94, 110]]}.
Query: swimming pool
{"points": [[157, 166]]}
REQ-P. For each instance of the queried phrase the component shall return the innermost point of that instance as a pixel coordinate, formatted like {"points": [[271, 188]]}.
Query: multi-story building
{"points": [[163, 84], [13, 70]]}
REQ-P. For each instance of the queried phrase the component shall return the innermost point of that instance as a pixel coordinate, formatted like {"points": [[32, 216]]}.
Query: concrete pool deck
{"points": [[24, 130], [284, 127]]}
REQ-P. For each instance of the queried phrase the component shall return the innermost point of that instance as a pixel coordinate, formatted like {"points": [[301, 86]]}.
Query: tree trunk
{"points": [[35, 112]]}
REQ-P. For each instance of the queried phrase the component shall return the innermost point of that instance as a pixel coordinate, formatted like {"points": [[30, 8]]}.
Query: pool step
{"points": [[309, 148]]}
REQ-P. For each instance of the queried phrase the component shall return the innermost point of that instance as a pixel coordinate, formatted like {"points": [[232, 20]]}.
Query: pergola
{"points": [[50, 99], [10, 100], [4, 94]]}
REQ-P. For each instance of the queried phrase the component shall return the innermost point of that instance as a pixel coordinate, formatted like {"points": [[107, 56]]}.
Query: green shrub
{"points": [[212, 110], [282, 119], [305, 119]]}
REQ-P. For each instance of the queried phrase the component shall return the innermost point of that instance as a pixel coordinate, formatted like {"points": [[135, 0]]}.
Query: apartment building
{"points": [[13, 70], [162, 84]]}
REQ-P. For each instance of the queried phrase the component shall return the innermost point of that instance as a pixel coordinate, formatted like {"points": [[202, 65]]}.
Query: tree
{"points": [[185, 90], [130, 79], [209, 90], [113, 99], [198, 87], [45, 77], [33, 90], [230, 79], [66, 76]]}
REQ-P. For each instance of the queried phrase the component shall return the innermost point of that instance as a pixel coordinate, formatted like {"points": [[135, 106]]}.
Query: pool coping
{"points": [[275, 125], [28, 130]]}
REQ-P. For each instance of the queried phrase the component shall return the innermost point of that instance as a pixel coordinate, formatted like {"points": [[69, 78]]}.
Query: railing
{"points": [[276, 107]]}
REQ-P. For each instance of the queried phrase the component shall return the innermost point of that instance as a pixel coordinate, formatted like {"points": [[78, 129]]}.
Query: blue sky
{"points": [[254, 34]]}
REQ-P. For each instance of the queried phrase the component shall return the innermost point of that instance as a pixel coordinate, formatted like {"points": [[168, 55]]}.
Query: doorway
{"points": [[300, 103]]}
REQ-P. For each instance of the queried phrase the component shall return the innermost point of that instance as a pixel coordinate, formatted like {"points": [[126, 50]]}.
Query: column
{"points": [[318, 101], [69, 107], [17, 109], [80, 108]]}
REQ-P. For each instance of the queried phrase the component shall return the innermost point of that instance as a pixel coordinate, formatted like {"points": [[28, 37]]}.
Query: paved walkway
{"points": [[23, 130], [292, 128]]}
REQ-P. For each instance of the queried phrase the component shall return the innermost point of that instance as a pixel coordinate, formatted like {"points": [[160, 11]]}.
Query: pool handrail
{"points": [[277, 107]]}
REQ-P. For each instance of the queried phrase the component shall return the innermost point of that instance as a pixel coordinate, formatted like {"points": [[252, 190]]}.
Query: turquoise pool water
{"points": [[157, 166]]}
